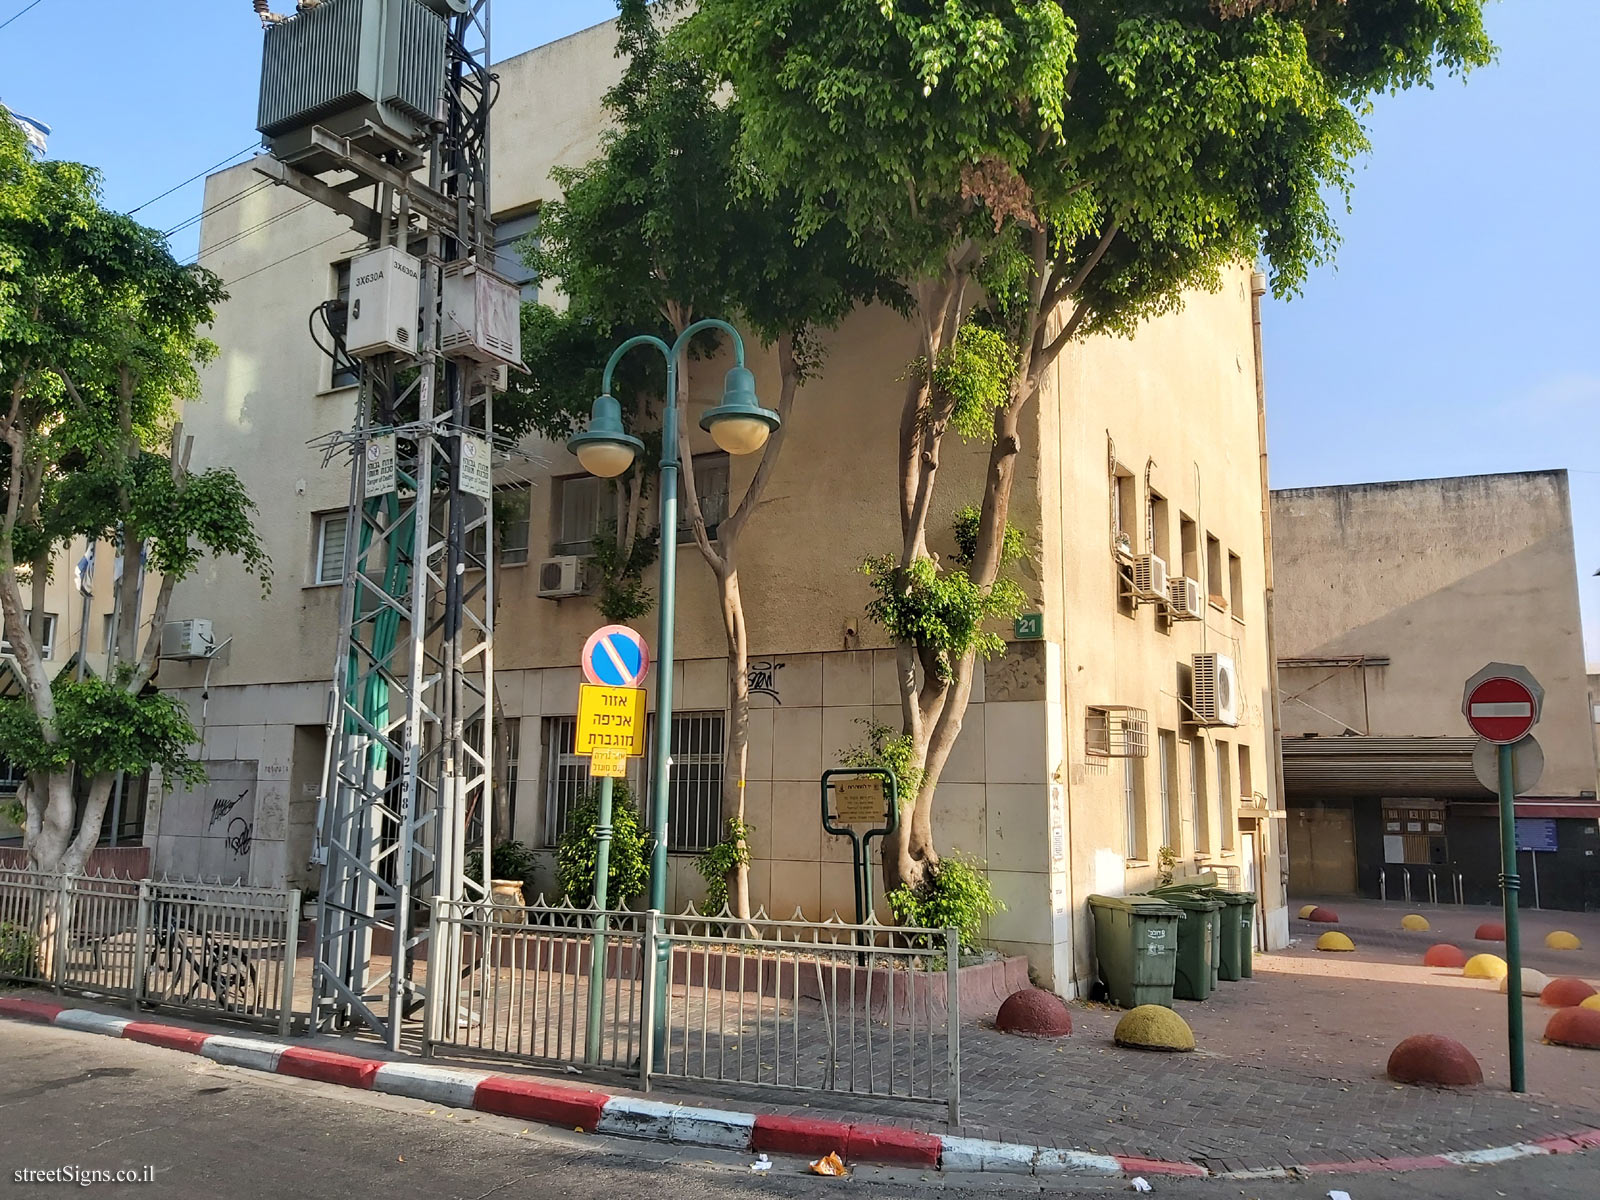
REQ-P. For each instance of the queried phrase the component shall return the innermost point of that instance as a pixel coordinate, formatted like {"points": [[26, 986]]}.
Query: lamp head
{"points": [[605, 449], [739, 424]]}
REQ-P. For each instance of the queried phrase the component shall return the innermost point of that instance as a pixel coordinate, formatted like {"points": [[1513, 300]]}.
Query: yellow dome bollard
{"points": [[1562, 940], [1485, 966], [1334, 940], [1592, 1002], [1153, 1027], [1415, 922], [1306, 910]]}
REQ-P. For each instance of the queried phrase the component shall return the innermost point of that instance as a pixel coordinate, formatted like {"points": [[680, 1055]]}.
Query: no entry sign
{"points": [[1502, 703], [615, 656]]}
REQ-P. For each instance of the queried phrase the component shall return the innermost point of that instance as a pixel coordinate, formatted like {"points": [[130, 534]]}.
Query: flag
{"points": [[37, 132], [83, 576]]}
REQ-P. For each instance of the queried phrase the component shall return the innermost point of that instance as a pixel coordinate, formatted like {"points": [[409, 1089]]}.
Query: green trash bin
{"points": [[1246, 913], [1136, 946], [1235, 933], [1196, 974]]}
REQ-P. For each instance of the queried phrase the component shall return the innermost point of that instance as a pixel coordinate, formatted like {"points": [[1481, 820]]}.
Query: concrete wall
{"points": [[1021, 793], [1439, 576]]}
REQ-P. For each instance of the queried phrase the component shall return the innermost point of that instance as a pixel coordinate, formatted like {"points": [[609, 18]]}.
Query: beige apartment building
{"points": [[1080, 757], [1389, 597]]}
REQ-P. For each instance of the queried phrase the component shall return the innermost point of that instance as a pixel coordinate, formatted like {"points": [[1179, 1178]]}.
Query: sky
{"points": [[1456, 333]]}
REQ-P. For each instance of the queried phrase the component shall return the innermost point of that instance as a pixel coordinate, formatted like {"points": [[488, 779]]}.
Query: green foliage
{"points": [[954, 893], [942, 613], [1013, 545], [1166, 861], [628, 864], [624, 595], [715, 862], [102, 727], [18, 950], [974, 374], [888, 748], [507, 860]]}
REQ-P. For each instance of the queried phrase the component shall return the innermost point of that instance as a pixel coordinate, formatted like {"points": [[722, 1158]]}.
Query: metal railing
{"points": [[205, 948], [1430, 879], [869, 1010]]}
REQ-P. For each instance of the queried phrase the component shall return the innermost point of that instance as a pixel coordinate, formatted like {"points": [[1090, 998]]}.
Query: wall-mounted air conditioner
{"points": [[1150, 577], [1216, 690], [385, 299], [562, 576], [1185, 601], [482, 315], [368, 70], [187, 639]]}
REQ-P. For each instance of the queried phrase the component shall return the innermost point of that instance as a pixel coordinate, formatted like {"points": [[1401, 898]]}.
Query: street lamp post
{"points": [[738, 425]]}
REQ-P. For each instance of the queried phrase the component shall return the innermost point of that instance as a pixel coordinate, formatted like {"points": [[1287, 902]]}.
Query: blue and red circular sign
{"points": [[616, 656]]}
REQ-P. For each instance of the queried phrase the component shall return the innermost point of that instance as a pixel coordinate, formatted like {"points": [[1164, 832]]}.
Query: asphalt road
{"points": [[199, 1131]]}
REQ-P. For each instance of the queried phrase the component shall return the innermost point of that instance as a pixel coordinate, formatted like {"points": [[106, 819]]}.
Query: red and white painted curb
{"points": [[663, 1121]]}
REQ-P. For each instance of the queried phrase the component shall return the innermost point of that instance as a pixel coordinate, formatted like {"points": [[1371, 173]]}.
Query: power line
{"points": [[286, 258], [217, 207], [193, 177], [20, 12], [244, 233]]}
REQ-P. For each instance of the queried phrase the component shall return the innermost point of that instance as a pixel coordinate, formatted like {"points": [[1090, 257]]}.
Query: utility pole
{"points": [[410, 740]]}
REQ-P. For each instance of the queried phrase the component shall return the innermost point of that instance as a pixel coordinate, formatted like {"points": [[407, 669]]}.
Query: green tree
{"points": [[1052, 169], [98, 341], [661, 230]]}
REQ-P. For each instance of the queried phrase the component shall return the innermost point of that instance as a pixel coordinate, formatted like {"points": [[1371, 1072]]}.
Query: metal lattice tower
{"points": [[410, 742]]}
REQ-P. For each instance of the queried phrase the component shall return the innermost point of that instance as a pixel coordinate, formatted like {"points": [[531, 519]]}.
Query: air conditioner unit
{"points": [[1185, 603], [187, 639], [1216, 690], [561, 577], [368, 70], [385, 300], [1150, 577], [482, 315]]}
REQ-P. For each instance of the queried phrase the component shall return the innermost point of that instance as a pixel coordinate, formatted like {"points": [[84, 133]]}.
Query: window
{"points": [[577, 513], [1227, 803], [509, 235], [1214, 572], [1171, 821], [346, 373], [711, 488], [1116, 731], [1189, 545], [1124, 512], [1133, 807], [694, 790], [331, 529], [1247, 789], [1197, 796], [11, 777], [510, 524], [106, 626], [1160, 530], [508, 746], [1236, 585], [47, 645]]}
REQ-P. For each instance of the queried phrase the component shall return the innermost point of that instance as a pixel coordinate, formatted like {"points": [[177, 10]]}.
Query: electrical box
{"points": [[187, 639], [385, 301], [482, 315], [369, 70]]}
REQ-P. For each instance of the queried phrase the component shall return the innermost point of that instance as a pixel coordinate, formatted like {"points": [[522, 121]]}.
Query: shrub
{"points": [[507, 860], [716, 861], [955, 893], [18, 948], [628, 867]]}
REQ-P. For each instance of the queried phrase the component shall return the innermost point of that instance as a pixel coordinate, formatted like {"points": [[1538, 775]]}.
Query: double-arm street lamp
{"points": [[738, 425]]}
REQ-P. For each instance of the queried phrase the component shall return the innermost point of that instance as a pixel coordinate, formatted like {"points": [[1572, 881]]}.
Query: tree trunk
{"points": [[50, 820], [736, 760]]}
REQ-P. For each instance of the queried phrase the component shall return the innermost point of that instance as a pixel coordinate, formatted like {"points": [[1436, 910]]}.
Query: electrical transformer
{"points": [[369, 70], [482, 315], [385, 300]]}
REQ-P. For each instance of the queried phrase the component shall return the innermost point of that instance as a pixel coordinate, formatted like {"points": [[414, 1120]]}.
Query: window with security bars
{"points": [[508, 745], [694, 792], [1117, 731], [328, 564]]}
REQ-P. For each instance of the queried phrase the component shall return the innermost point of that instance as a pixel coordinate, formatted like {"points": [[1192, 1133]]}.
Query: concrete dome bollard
{"points": [[1434, 1059], [1592, 1002], [1335, 941], [1415, 922], [1565, 992], [1579, 1027], [1034, 1012], [1154, 1027], [1562, 940], [1490, 931], [1485, 966], [1306, 910], [1445, 955], [1325, 916], [1533, 982]]}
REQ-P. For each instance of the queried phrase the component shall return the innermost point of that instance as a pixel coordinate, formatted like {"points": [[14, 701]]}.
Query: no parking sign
{"points": [[616, 656]]}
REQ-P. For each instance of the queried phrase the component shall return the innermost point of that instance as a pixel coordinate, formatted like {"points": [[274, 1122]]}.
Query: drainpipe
{"points": [[1258, 288]]}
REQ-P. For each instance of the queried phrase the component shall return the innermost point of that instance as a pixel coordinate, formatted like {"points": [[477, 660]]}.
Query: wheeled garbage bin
{"points": [[1136, 947]]}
